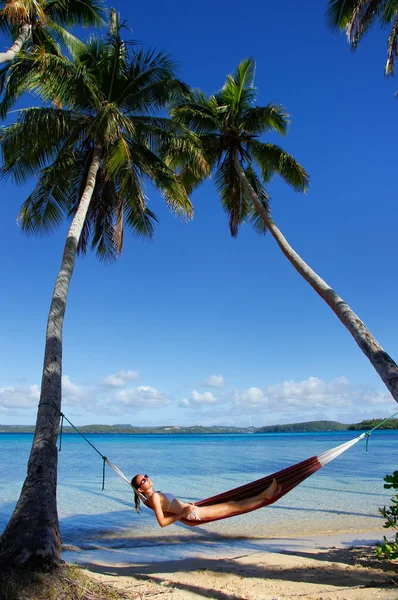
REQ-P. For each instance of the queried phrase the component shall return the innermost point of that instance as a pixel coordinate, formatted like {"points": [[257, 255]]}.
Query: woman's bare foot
{"points": [[272, 490]]}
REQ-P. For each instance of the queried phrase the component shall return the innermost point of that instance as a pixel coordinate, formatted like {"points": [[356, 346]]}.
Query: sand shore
{"points": [[326, 567]]}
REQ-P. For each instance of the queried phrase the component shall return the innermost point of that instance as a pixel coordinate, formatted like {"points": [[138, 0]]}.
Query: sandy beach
{"points": [[325, 567]]}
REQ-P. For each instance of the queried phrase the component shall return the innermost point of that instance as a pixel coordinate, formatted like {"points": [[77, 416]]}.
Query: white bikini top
{"points": [[170, 498]]}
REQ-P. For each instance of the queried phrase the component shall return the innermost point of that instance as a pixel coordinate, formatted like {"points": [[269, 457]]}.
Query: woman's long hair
{"points": [[137, 499]]}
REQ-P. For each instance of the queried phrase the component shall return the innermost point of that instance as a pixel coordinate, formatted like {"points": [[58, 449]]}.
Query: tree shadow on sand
{"points": [[346, 568]]}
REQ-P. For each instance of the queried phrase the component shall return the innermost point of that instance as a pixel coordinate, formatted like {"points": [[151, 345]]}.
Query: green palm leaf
{"points": [[272, 160], [229, 187], [357, 16], [76, 12], [238, 91], [262, 119]]}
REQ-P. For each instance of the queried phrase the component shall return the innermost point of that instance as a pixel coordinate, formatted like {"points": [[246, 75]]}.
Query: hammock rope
{"points": [[287, 478]]}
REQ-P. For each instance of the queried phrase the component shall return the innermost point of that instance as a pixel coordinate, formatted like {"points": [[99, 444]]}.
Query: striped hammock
{"points": [[287, 479]]}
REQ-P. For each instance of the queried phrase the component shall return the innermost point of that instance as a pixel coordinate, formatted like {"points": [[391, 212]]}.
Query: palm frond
{"points": [[45, 38], [137, 215], [274, 160], [233, 199], [150, 98], [15, 80], [183, 150], [17, 12], [151, 66], [63, 39], [107, 126], [117, 157], [35, 139], [76, 12], [392, 48], [388, 11], [238, 91], [262, 119], [362, 18], [163, 178], [258, 222], [100, 220], [68, 81], [198, 112], [185, 155], [49, 203]]}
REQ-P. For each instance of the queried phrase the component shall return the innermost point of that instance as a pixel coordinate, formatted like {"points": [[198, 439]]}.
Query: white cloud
{"points": [[142, 397], [251, 397], [216, 381], [73, 394], [113, 381], [377, 398], [19, 397], [308, 393], [198, 399], [119, 379]]}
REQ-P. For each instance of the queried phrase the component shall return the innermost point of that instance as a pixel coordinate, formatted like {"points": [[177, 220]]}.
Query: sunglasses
{"points": [[144, 479]]}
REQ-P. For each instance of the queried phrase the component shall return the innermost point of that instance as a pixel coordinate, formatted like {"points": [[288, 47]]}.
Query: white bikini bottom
{"points": [[193, 516]]}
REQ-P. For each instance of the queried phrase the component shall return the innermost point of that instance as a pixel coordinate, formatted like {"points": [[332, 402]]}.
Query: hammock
{"points": [[287, 479]]}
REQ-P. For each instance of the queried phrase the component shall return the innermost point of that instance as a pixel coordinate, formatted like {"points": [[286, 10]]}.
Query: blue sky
{"points": [[196, 327]]}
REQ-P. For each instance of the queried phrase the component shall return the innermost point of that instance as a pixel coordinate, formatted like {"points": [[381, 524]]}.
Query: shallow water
{"points": [[343, 496]]}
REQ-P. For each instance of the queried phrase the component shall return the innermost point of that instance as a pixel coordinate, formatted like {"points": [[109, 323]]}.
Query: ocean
{"points": [[344, 496]]}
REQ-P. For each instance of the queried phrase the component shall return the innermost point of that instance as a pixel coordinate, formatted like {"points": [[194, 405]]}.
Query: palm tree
{"points": [[357, 16], [229, 126], [92, 156], [43, 22]]}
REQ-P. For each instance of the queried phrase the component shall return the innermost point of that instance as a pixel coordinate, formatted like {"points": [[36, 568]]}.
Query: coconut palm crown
{"points": [[230, 127], [105, 95], [32, 23], [357, 16]]}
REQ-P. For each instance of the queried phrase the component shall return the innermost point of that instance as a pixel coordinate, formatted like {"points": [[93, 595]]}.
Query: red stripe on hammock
{"points": [[287, 478]]}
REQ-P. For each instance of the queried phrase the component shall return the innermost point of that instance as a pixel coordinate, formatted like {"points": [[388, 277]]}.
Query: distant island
{"points": [[308, 426]]}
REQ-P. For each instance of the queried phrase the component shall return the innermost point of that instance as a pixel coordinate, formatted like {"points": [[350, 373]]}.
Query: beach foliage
{"points": [[372, 423], [93, 145], [389, 549], [355, 17]]}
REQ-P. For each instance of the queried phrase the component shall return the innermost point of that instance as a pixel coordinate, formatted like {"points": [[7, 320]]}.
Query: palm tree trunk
{"points": [[23, 36], [32, 536], [381, 361]]}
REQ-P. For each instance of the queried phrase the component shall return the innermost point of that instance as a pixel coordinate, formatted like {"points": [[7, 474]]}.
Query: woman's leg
{"points": [[238, 506]]}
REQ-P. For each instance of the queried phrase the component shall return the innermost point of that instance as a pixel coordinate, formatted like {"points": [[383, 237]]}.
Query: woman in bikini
{"points": [[175, 509]]}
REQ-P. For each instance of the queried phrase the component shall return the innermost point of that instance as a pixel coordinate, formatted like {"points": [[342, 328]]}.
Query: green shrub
{"points": [[389, 549]]}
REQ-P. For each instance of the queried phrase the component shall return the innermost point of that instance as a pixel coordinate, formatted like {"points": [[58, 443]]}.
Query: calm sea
{"points": [[344, 496]]}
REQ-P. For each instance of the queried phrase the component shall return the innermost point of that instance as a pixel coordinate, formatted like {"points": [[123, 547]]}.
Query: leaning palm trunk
{"points": [[32, 535], [381, 361], [23, 36]]}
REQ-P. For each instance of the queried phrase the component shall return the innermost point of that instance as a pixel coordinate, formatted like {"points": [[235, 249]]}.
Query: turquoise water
{"points": [[343, 496]]}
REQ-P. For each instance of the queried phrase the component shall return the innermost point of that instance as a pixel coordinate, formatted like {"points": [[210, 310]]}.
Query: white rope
{"points": [[123, 476], [329, 455]]}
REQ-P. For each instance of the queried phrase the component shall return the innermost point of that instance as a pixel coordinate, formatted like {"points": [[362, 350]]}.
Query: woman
{"points": [[162, 503]]}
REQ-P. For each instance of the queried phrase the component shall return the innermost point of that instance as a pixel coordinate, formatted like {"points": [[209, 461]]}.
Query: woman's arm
{"points": [[165, 521]]}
